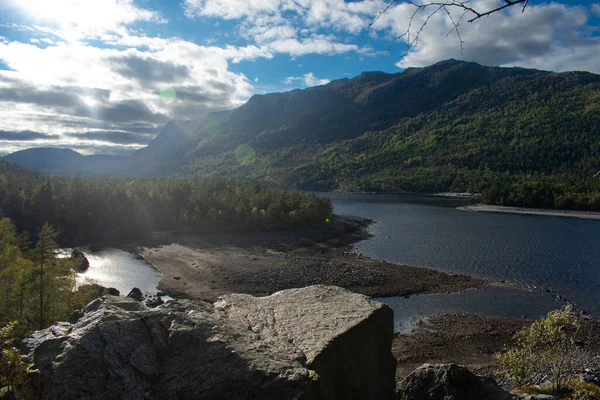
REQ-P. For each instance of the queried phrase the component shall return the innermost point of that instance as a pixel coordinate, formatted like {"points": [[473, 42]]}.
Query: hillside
{"points": [[521, 136], [67, 162]]}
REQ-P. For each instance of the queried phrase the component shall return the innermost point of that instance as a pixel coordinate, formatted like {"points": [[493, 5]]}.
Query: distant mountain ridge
{"points": [[454, 125], [57, 161]]}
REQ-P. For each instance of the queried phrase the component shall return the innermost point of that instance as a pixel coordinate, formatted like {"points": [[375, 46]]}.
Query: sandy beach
{"points": [[531, 211]]}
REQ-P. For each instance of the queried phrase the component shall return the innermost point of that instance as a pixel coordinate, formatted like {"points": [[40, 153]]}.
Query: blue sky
{"points": [[88, 74]]}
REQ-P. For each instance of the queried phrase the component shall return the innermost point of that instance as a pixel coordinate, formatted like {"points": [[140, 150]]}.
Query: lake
{"points": [[557, 254], [546, 253], [121, 270]]}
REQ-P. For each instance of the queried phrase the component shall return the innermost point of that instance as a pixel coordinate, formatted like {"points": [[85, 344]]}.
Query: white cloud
{"points": [[338, 14], [230, 9], [308, 79], [317, 44], [71, 91], [551, 36], [77, 19], [68, 89], [545, 35], [311, 80], [293, 26]]}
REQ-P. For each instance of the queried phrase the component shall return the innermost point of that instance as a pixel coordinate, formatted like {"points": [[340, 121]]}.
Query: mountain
{"points": [[172, 139], [454, 125], [171, 144], [67, 162], [47, 160]]}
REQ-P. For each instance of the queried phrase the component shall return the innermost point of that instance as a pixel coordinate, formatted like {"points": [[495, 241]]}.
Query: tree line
{"points": [[92, 210]]}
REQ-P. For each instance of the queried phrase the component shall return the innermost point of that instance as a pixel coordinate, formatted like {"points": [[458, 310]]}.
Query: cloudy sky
{"points": [[103, 76]]}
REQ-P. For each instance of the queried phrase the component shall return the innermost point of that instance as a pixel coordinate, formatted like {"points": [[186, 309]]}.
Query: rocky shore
{"points": [[473, 340], [214, 268], [205, 267]]}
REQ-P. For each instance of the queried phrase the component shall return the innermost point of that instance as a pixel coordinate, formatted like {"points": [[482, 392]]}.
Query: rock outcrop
{"points": [[98, 290], [80, 260], [136, 294], [318, 342], [453, 382]]}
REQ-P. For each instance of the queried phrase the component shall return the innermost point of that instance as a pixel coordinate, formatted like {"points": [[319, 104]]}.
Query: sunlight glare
{"points": [[85, 15], [89, 101]]}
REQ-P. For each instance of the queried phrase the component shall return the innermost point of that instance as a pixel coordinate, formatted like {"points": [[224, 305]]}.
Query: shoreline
{"points": [[594, 215], [203, 268], [471, 340], [461, 195]]}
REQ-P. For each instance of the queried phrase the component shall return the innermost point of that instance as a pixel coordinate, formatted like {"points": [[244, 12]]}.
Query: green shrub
{"points": [[13, 367], [583, 391], [545, 351]]}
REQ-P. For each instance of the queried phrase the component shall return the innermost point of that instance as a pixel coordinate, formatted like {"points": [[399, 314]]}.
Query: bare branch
{"points": [[413, 39], [383, 12], [508, 4]]}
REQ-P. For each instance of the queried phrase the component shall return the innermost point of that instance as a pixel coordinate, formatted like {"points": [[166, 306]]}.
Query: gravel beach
{"points": [[204, 267], [531, 211]]}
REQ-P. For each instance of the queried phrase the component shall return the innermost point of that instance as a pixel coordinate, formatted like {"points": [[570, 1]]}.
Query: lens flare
{"points": [[245, 154], [168, 94]]}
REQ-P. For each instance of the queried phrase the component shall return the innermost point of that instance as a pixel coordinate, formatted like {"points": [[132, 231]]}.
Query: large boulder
{"points": [[80, 260], [318, 342], [453, 382]]}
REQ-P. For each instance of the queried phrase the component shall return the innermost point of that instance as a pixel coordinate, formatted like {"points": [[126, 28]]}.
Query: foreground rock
{"points": [[318, 342], [80, 260], [453, 382]]}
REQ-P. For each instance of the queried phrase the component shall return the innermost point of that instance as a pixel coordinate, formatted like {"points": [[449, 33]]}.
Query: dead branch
{"points": [[412, 39]]}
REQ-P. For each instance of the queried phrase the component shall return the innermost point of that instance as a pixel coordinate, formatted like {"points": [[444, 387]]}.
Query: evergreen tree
{"points": [[46, 257]]}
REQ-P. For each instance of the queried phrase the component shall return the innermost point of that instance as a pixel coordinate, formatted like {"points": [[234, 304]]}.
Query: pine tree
{"points": [[45, 256]]}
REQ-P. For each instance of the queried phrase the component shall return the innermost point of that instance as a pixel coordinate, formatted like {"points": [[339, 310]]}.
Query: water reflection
{"points": [[121, 270], [493, 301]]}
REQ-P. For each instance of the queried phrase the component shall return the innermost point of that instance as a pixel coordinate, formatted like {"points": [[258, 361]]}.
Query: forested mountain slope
{"points": [[519, 136]]}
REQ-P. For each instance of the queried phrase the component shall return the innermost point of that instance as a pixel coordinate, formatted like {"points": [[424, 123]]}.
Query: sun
{"points": [[83, 15], [58, 11]]}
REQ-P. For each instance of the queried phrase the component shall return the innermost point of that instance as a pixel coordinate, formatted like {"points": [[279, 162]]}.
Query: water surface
{"points": [[121, 270], [554, 253], [493, 301]]}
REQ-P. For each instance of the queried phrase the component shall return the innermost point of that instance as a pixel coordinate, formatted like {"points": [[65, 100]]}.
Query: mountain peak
{"points": [[173, 137], [452, 62]]}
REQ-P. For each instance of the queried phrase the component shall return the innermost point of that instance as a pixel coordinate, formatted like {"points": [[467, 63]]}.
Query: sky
{"points": [[104, 76]]}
